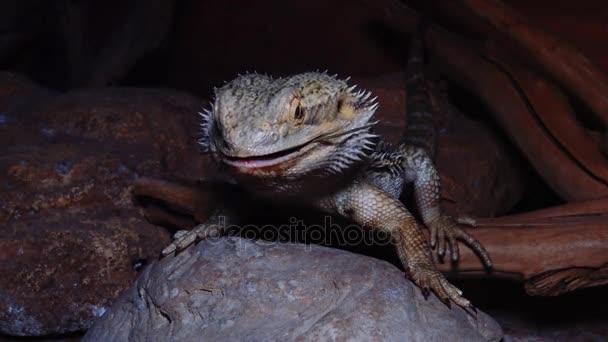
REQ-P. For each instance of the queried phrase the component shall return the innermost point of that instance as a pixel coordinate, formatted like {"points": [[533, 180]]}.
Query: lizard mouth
{"points": [[267, 160]]}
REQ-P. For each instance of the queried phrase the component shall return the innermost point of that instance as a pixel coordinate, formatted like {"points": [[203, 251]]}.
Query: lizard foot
{"points": [[184, 238], [445, 228], [428, 278]]}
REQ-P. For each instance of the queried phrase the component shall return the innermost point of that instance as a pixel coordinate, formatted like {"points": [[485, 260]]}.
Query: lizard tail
{"points": [[420, 131]]}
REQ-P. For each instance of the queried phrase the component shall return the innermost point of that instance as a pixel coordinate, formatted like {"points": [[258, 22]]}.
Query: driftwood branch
{"points": [[519, 108], [570, 169], [557, 58], [179, 199], [554, 251], [554, 114], [515, 115], [512, 110]]}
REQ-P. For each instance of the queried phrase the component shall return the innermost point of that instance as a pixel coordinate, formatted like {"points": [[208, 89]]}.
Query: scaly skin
{"points": [[307, 138]]}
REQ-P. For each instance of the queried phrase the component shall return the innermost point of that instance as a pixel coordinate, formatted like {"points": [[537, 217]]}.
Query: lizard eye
{"points": [[297, 111]]}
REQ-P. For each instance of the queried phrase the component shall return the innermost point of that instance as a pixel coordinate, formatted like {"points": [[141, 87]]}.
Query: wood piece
{"points": [[556, 57], [513, 113], [584, 208], [162, 217], [551, 252], [482, 77], [550, 108], [183, 199]]}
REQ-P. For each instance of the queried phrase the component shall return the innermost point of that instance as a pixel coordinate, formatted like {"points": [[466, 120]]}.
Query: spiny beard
{"points": [[206, 127], [359, 144]]}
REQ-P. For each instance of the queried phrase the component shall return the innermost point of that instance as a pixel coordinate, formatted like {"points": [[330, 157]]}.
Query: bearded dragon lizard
{"points": [[307, 138]]}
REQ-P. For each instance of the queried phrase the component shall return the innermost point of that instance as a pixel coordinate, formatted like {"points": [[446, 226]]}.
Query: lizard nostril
{"points": [[283, 130]]}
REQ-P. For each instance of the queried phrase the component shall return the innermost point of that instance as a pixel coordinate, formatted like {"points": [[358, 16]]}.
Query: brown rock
{"points": [[161, 122], [71, 236]]}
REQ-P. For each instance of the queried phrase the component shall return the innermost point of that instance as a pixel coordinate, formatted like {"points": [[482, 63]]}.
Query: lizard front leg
{"points": [[443, 228], [216, 225], [369, 206]]}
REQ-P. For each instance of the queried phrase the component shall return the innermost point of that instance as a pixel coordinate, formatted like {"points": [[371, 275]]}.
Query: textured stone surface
{"points": [[71, 236], [237, 289]]}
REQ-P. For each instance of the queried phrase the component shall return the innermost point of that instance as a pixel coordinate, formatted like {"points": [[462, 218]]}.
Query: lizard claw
{"points": [[185, 238], [445, 228], [429, 278], [178, 234], [426, 292], [474, 309]]}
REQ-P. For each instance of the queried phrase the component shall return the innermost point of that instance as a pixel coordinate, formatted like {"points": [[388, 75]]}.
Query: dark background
{"points": [[194, 45]]}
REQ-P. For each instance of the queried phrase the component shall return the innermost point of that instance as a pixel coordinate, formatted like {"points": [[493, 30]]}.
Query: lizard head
{"points": [[291, 126]]}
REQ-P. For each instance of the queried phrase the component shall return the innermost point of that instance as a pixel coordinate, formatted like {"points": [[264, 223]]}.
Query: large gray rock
{"points": [[236, 289]]}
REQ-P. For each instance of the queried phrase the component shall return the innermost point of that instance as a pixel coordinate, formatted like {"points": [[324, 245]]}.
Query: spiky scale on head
{"points": [[293, 125]]}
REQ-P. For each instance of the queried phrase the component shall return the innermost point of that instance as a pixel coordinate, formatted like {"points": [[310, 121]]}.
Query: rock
{"points": [[62, 271], [71, 236], [237, 289], [159, 122]]}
